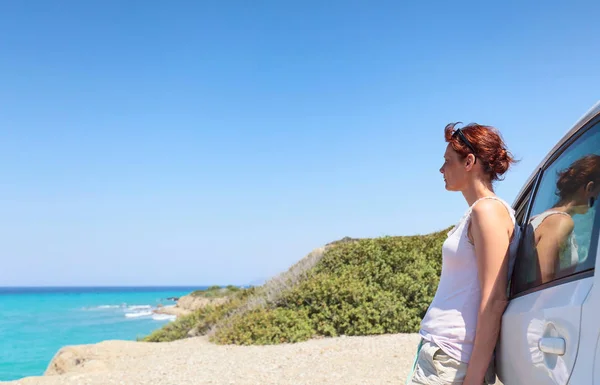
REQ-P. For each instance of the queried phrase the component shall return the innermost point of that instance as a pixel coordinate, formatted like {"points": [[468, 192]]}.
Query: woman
{"points": [[461, 326], [556, 252]]}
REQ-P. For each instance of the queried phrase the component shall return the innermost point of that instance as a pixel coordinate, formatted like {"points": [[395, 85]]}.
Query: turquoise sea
{"points": [[36, 322]]}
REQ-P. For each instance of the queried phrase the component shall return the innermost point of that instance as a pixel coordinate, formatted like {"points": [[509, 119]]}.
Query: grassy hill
{"points": [[348, 287]]}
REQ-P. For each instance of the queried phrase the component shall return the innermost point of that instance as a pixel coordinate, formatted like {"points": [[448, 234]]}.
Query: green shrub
{"points": [[371, 286], [216, 291], [355, 287], [202, 320], [265, 327], [175, 330]]}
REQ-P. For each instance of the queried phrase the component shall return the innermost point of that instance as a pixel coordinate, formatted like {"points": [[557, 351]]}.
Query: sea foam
{"points": [[164, 317], [138, 314]]}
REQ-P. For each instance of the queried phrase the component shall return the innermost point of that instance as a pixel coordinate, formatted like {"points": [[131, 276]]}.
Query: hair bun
{"points": [[486, 143]]}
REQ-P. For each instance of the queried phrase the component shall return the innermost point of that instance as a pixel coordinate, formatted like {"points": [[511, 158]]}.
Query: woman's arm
{"points": [[491, 230]]}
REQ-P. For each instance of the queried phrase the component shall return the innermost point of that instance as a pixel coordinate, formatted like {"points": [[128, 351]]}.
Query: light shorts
{"points": [[434, 367]]}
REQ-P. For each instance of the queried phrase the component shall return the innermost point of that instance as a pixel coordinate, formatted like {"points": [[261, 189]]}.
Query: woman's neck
{"points": [[567, 207], [477, 190]]}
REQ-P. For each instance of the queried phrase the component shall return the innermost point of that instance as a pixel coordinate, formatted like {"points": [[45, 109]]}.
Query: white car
{"points": [[551, 327]]}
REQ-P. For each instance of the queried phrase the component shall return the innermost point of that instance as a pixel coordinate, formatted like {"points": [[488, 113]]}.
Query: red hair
{"points": [[578, 174], [489, 147]]}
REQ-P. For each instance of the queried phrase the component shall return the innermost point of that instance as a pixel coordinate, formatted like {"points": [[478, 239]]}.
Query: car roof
{"points": [[589, 115]]}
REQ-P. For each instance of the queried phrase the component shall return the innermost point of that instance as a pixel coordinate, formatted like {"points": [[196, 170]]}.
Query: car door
{"points": [[554, 269]]}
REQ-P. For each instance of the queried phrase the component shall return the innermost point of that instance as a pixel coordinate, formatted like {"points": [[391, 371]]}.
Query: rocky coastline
{"points": [[188, 304]]}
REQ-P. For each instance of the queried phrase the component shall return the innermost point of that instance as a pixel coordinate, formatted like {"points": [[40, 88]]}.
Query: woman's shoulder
{"points": [[492, 212], [492, 206], [558, 220]]}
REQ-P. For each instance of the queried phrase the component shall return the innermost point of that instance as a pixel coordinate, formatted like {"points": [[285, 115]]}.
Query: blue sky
{"points": [[216, 142]]}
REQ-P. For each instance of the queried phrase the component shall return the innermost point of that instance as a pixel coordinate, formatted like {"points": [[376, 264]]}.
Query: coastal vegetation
{"points": [[216, 291], [349, 287]]}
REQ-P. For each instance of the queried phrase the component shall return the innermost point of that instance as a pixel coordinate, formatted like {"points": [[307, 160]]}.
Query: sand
{"points": [[385, 359]]}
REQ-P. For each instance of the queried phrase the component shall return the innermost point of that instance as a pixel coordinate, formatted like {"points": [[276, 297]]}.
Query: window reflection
{"points": [[551, 234]]}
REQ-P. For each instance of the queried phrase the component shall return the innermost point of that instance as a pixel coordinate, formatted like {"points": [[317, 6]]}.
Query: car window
{"points": [[523, 204], [520, 208], [557, 235]]}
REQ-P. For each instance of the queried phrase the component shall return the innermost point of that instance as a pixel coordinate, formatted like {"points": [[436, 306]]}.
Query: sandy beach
{"points": [[384, 359]]}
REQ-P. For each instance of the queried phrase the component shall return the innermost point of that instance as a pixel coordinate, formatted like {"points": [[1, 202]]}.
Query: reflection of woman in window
{"points": [[577, 188]]}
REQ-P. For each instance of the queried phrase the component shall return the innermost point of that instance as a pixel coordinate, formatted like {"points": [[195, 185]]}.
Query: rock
{"points": [[192, 303], [74, 359], [171, 310], [188, 304], [94, 366]]}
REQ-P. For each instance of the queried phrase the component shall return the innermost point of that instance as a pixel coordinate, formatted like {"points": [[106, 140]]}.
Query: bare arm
{"points": [[491, 229]]}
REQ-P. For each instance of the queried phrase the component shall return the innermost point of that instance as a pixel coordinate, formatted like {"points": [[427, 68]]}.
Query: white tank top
{"points": [[451, 320]]}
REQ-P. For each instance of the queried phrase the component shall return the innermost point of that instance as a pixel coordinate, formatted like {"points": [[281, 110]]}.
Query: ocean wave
{"points": [[137, 311], [138, 307], [164, 317], [138, 314], [103, 307]]}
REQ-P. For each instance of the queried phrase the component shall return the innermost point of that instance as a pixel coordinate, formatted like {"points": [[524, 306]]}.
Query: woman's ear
{"points": [[589, 187], [470, 161]]}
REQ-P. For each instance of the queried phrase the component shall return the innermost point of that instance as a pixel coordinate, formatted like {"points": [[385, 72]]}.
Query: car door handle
{"points": [[552, 345]]}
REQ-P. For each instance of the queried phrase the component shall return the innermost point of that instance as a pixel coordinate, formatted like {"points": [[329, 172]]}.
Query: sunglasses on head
{"points": [[462, 137]]}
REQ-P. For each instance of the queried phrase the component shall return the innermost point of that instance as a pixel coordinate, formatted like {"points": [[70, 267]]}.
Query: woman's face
{"points": [[453, 169]]}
